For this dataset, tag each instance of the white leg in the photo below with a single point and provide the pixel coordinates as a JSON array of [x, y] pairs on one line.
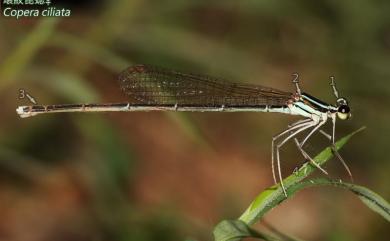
[[299, 122], [326, 135], [302, 128], [307, 157], [312, 132], [304, 153], [337, 154], [293, 126], [334, 150], [333, 128]]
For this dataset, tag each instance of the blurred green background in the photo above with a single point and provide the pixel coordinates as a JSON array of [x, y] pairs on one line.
[[174, 176]]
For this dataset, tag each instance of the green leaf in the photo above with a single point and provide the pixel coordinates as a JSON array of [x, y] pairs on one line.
[[371, 199], [234, 230], [273, 196]]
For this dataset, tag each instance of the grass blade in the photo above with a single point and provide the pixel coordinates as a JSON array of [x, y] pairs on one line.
[[375, 202]]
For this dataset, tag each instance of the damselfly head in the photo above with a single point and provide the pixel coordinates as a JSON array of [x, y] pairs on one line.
[[343, 110]]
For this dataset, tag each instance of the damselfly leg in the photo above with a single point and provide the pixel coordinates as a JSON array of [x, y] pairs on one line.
[[328, 136], [335, 151], [299, 122], [307, 157], [304, 153], [298, 129], [340, 101], [291, 128]]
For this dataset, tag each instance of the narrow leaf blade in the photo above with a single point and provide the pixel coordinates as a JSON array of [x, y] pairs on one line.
[[371, 199]]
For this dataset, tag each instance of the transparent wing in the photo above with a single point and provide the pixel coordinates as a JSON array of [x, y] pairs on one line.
[[153, 85]]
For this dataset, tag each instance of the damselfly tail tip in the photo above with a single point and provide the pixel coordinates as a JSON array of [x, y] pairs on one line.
[[21, 111]]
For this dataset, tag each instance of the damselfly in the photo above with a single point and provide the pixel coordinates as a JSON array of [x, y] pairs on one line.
[[157, 89]]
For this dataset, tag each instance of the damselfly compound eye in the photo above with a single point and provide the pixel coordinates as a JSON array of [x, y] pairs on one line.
[[343, 112]]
